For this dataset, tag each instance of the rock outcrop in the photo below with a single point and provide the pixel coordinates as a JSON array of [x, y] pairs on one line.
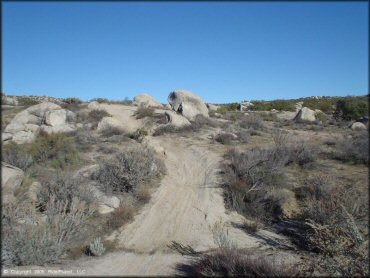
[[176, 120], [11, 179], [47, 116], [188, 104], [305, 115], [145, 100]]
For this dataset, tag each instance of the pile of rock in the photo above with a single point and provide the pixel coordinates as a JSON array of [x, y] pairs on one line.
[[48, 117]]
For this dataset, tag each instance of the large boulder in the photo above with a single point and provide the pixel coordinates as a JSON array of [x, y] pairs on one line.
[[11, 178], [176, 120], [46, 116], [146, 100], [358, 126], [305, 115], [188, 104]]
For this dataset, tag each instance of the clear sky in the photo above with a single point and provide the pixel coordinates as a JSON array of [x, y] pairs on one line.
[[222, 51]]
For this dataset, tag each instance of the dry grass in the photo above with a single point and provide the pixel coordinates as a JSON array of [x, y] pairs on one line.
[[143, 112], [233, 262]]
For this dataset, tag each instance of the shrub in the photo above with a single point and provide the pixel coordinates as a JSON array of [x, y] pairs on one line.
[[234, 262], [351, 108], [72, 100], [100, 100], [248, 178], [281, 105], [29, 239], [26, 101], [142, 112], [201, 121], [126, 170], [56, 148], [111, 131], [16, 155], [139, 134], [221, 235], [355, 150], [252, 121], [121, 215], [63, 187], [96, 115], [224, 138], [96, 248], [244, 135], [169, 128], [293, 151], [269, 117], [224, 108]]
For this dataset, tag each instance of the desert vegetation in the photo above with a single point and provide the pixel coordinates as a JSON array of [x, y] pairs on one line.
[[298, 188]]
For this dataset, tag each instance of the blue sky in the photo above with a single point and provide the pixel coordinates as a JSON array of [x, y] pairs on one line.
[[224, 52]]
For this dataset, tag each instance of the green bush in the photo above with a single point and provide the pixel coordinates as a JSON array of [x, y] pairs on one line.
[[57, 149], [72, 100], [26, 101], [351, 108], [229, 107], [281, 105], [100, 100]]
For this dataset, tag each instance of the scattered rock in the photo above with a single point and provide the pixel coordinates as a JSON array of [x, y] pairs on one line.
[[305, 114], [176, 120], [146, 100], [188, 104], [358, 126]]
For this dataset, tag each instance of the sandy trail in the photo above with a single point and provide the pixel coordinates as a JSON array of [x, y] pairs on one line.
[[183, 209]]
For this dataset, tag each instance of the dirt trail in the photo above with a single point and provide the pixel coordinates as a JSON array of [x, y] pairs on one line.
[[183, 209]]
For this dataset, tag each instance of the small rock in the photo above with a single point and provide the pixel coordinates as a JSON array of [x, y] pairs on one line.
[[358, 126]]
